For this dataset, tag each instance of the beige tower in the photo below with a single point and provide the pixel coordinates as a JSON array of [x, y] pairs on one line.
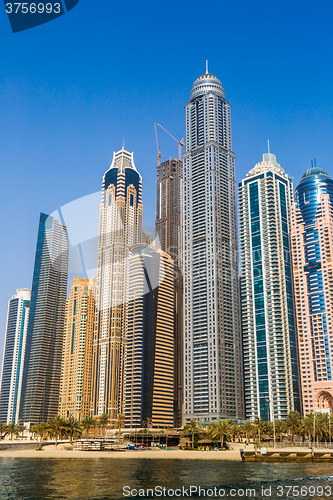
[[120, 228], [76, 373], [149, 358]]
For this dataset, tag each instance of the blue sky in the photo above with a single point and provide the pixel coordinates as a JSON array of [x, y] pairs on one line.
[[72, 89]]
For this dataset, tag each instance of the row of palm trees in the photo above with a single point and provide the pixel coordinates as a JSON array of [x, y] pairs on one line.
[[69, 428], [314, 427]]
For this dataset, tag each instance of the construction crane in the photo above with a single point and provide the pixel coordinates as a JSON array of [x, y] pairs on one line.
[[158, 148], [180, 143]]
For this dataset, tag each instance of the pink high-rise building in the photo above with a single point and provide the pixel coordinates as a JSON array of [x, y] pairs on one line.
[[312, 254]]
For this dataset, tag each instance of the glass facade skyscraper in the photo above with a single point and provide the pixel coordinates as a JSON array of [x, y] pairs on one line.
[[269, 337], [312, 251], [13, 358], [120, 228], [42, 364], [212, 341], [169, 231], [149, 352]]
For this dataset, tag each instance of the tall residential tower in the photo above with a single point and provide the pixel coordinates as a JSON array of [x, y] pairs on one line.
[[312, 251], [169, 232], [269, 336], [212, 341], [76, 372], [120, 227], [13, 356], [42, 365], [149, 358]]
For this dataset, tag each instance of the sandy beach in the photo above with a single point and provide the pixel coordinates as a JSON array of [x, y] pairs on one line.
[[51, 451]]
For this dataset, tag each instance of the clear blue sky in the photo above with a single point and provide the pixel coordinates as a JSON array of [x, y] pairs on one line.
[[71, 89]]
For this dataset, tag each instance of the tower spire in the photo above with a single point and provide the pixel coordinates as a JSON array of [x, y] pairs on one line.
[[206, 66], [268, 146]]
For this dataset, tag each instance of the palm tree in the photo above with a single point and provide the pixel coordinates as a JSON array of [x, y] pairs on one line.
[[306, 427], [322, 426], [279, 428], [73, 428], [22, 429], [56, 427], [3, 430], [247, 429], [292, 423], [41, 429], [261, 426], [87, 424], [12, 429], [119, 424], [148, 420], [103, 423], [222, 430], [191, 428]]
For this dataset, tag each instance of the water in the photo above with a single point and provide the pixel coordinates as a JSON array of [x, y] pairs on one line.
[[104, 479]]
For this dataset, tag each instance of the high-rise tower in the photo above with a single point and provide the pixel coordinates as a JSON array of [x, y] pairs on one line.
[[312, 252], [13, 357], [212, 341], [269, 336], [169, 232], [120, 228], [76, 372], [149, 358], [42, 364]]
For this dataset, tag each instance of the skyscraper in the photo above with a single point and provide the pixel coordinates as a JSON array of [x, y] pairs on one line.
[[212, 342], [76, 372], [13, 357], [312, 252], [120, 228], [149, 353], [268, 319], [169, 232], [42, 365]]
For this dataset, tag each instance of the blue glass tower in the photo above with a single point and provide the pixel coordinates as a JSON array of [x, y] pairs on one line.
[[268, 320], [42, 366], [312, 248]]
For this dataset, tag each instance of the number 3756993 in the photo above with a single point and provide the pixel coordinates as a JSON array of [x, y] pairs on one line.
[[33, 8]]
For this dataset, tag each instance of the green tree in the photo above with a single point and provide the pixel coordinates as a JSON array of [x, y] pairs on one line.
[[73, 428], [279, 428], [261, 427], [191, 428], [3, 430], [87, 424], [247, 430], [292, 424], [223, 430], [42, 430], [103, 422], [56, 428], [306, 427], [119, 424], [12, 429]]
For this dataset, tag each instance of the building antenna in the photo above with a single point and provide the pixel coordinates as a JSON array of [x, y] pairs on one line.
[[312, 163], [123, 142], [268, 146], [206, 66], [315, 163]]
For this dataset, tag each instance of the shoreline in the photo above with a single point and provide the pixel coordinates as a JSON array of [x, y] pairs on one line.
[[51, 451]]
